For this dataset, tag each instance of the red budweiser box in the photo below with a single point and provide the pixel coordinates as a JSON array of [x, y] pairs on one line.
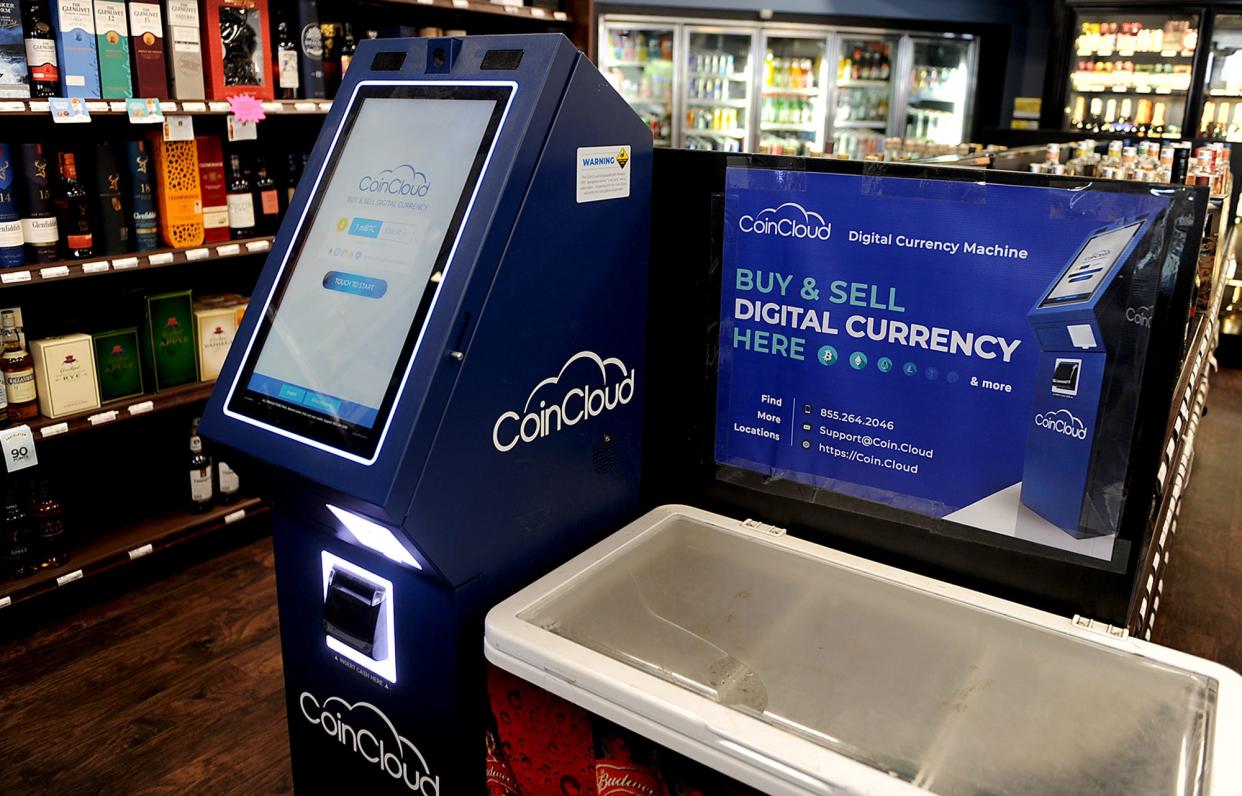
[[238, 57]]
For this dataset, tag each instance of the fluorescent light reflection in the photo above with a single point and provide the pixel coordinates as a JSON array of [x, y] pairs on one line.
[[374, 536]]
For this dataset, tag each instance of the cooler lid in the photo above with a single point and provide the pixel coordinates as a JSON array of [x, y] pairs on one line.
[[814, 662]]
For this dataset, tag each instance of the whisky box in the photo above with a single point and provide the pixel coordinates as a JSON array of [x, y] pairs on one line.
[[76, 53], [250, 71], [65, 374], [112, 43], [216, 327], [113, 217], [14, 76], [169, 339], [211, 184], [177, 190], [185, 51], [310, 48], [118, 361], [146, 44]]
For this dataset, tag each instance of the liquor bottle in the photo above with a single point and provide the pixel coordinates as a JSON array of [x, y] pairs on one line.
[[240, 199], [1078, 117], [18, 368], [114, 234], [15, 534], [141, 197], [49, 520], [40, 50], [1157, 120], [266, 198], [293, 172], [286, 62], [39, 229], [228, 485], [11, 252], [329, 33], [348, 48], [73, 209], [201, 489], [1209, 114]]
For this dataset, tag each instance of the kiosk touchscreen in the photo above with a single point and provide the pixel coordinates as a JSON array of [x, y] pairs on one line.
[[1088, 324], [444, 377]]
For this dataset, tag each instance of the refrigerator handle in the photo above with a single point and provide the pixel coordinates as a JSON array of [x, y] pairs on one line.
[[832, 62], [898, 113]]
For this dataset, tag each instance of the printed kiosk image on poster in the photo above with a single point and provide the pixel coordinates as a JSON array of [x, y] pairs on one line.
[[964, 351]]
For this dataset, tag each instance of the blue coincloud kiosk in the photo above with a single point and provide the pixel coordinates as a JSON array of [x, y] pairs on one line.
[[444, 375], [1092, 324]]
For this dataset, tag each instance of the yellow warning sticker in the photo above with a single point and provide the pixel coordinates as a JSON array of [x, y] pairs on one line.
[[602, 173]]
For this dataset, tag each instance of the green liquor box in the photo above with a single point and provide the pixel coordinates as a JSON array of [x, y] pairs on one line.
[[118, 361], [170, 340]]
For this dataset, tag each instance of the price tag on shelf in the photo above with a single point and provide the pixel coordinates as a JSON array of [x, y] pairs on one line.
[[12, 107], [9, 277], [240, 130], [54, 429], [5, 602], [272, 106], [427, 2], [178, 128], [305, 106], [228, 249], [218, 107], [234, 516], [40, 107], [68, 110], [159, 258], [197, 254], [194, 107], [102, 417], [538, 13], [96, 267], [54, 271], [69, 578], [97, 107], [512, 10], [144, 110], [19, 448], [258, 245], [121, 263], [118, 106], [139, 552], [461, 3], [560, 16], [141, 408]]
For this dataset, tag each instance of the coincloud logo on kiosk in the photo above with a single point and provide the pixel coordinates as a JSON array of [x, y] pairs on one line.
[[788, 220]]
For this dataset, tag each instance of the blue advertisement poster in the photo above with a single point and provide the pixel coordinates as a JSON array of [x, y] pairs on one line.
[[943, 347]]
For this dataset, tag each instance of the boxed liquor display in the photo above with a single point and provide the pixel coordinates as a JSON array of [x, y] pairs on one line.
[[14, 77], [214, 191], [65, 373], [177, 188], [112, 43], [114, 237], [310, 48], [74, 21], [238, 48], [216, 326], [185, 57], [146, 33], [118, 361], [169, 339]]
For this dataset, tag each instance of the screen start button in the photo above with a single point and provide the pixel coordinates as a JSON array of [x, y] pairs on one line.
[[368, 286]]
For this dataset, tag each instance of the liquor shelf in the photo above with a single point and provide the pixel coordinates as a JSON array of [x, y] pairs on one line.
[[134, 261], [95, 555], [113, 412], [117, 108], [520, 11]]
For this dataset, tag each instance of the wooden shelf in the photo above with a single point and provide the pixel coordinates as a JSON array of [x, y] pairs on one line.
[[92, 556], [48, 429], [137, 261], [116, 108], [476, 7]]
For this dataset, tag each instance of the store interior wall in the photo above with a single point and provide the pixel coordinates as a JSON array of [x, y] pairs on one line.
[[1028, 21]]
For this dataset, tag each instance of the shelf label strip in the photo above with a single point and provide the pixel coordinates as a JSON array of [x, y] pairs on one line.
[[233, 517], [9, 277], [139, 552], [102, 417], [141, 408], [69, 578], [53, 430]]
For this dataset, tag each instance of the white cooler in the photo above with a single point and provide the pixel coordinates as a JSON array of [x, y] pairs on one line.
[[801, 670]]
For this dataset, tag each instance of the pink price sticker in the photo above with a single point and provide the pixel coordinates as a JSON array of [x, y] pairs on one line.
[[246, 108]]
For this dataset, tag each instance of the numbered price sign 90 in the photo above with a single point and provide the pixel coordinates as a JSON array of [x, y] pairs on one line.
[[19, 448]]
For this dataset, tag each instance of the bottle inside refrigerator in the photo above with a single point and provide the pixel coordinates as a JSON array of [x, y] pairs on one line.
[[940, 76], [1131, 73], [1221, 117], [717, 89], [864, 94], [792, 102], [639, 64]]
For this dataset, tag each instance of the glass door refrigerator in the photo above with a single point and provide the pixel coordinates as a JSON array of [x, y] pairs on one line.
[[716, 87], [793, 93], [939, 82], [863, 96], [1131, 72], [638, 59], [1221, 117]]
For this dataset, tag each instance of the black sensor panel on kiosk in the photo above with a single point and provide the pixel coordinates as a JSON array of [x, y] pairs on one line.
[[824, 308]]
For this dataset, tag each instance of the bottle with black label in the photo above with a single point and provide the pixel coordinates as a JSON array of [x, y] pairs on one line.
[[114, 221], [293, 173], [240, 199], [49, 520], [17, 367], [330, 39], [141, 197], [286, 62], [40, 50], [201, 481], [228, 485], [348, 48], [11, 252], [266, 198], [15, 541], [39, 230], [74, 211]]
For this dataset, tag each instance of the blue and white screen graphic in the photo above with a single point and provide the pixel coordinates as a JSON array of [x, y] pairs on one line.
[[336, 338]]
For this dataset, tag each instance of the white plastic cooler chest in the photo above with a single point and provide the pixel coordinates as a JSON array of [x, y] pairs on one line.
[[801, 670]]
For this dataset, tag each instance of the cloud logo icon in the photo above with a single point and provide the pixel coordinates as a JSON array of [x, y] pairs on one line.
[[403, 180], [788, 220], [364, 730], [1062, 421]]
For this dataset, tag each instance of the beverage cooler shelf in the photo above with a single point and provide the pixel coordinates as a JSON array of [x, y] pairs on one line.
[[862, 84], [793, 128], [107, 551], [716, 133], [740, 77], [875, 124], [117, 108], [135, 261], [772, 91], [46, 429], [717, 103], [1153, 54]]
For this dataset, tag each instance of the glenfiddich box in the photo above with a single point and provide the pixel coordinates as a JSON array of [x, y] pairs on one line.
[[185, 51], [211, 184], [14, 78], [169, 339], [146, 43], [235, 33], [118, 361], [216, 326], [65, 373], [74, 21], [112, 43]]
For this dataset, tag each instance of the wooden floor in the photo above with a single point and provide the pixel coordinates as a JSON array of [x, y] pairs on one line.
[[175, 686]]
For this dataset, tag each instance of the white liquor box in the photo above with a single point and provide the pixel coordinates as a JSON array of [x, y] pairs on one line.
[[65, 374], [217, 326]]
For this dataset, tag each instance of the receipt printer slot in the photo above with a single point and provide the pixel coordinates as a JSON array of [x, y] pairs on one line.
[[351, 611]]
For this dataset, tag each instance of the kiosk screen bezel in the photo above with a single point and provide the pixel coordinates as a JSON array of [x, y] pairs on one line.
[[1060, 301], [360, 443]]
